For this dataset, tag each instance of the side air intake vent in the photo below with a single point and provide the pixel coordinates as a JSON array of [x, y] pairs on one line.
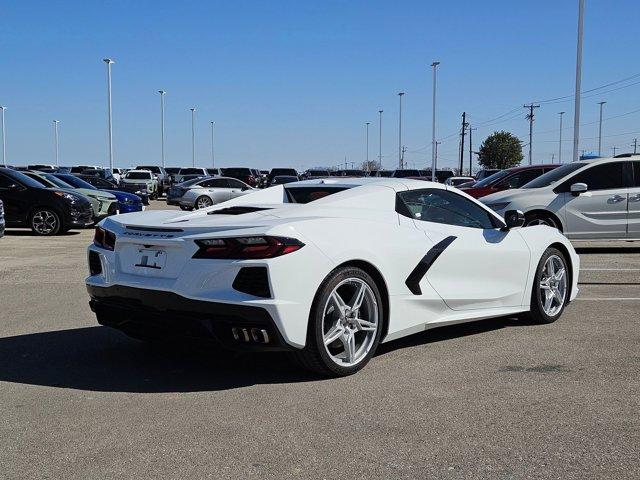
[[95, 266], [253, 280], [236, 210]]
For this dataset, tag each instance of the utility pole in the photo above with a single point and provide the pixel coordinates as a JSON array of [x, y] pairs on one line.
[[400, 95], [600, 130], [213, 152], [193, 137], [576, 114], [635, 146], [614, 148], [434, 65], [4, 137], [380, 140], [162, 93], [367, 129], [464, 127], [433, 175], [530, 116], [560, 141], [109, 62], [471, 151], [404, 149], [55, 133]]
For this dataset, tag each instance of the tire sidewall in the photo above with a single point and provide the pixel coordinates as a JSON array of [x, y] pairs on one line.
[[58, 228], [316, 334], [536, 297]]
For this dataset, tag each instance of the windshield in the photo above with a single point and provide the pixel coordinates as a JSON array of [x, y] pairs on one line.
[[554, 175], [191, 171], [138, 176], [56, 181], [235, 172], [310, 194], [151, 169], [75, 181], [485, 182]]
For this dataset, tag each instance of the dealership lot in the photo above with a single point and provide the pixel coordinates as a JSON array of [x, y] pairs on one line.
[[491, 399]]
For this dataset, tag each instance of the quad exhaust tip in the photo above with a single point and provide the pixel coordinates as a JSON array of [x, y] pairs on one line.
[[247, 335]]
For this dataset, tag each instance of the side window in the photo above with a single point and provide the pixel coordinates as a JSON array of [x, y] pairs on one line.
[[220, 183], [636, 174], [442, 206], [600, 177], [236, 183], [5, 182], [207, 184]]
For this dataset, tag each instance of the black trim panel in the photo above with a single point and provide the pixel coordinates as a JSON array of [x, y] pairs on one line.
[[155, 314], [413, 280]]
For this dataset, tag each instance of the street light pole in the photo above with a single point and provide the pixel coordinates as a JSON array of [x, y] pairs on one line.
[[193, 137], [367, 128], [400, 95], [162, 94], [380, 139], [433, 123], [600, 130], [213, 156], [560, 140], [55, 131], [4, 138], [576, 114], [109, 62]]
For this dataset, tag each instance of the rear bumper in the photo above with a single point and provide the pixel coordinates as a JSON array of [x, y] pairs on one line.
[[155, 314]]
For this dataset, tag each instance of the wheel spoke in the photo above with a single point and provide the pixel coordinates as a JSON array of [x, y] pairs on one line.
[[358, 297], [365, 325], [338, 301], [349, 343], [548, 300], [333, 334], [557, 295], [559, 274]]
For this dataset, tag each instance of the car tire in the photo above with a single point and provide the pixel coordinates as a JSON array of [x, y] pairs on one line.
[[186, 209], [540, 219], [540, 310], [45, 222], [202, 202], [321, 354]]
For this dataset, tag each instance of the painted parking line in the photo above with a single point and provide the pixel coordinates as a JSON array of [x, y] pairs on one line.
[[610, 269], [620, 299]]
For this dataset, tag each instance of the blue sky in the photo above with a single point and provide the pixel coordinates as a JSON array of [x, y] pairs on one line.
[[291, 83]]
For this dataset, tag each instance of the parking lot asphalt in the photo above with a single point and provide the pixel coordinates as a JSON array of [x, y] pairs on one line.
[[492, 399]]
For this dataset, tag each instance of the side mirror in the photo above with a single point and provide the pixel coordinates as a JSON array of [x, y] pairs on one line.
[[513, 218], [578, 188]]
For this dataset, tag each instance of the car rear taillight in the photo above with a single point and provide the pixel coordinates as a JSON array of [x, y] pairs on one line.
[[104, 239], [246, 247]]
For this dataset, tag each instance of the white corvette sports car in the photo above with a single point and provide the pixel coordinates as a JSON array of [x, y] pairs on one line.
[[325, 268]]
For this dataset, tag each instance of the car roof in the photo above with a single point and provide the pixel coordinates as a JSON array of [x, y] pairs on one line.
[[397, 184]]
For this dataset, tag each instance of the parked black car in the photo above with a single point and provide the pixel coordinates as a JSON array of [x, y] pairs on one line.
[[1, 219], [47, 211], [280, 172], [245, 175]]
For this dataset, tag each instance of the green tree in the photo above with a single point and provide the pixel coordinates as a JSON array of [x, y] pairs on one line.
[[500, 150]]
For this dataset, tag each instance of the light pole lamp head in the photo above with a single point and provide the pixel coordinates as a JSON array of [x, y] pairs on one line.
[[193, 109], [601, 103], [380, 111], [561, 113], [400, 94], [161, 92], [435, 64], [108, 61], [56, 122]]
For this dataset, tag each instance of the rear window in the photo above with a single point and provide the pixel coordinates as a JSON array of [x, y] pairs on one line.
[[318, 173], [151, 169], [138, 176], [406, 173], [191, 171], [236, 172], [310, 194], [283, 171]]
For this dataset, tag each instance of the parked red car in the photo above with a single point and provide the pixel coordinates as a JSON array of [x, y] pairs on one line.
[[514, 177]]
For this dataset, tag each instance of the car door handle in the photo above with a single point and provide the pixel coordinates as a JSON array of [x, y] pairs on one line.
[[635, 198], [615, 199]]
